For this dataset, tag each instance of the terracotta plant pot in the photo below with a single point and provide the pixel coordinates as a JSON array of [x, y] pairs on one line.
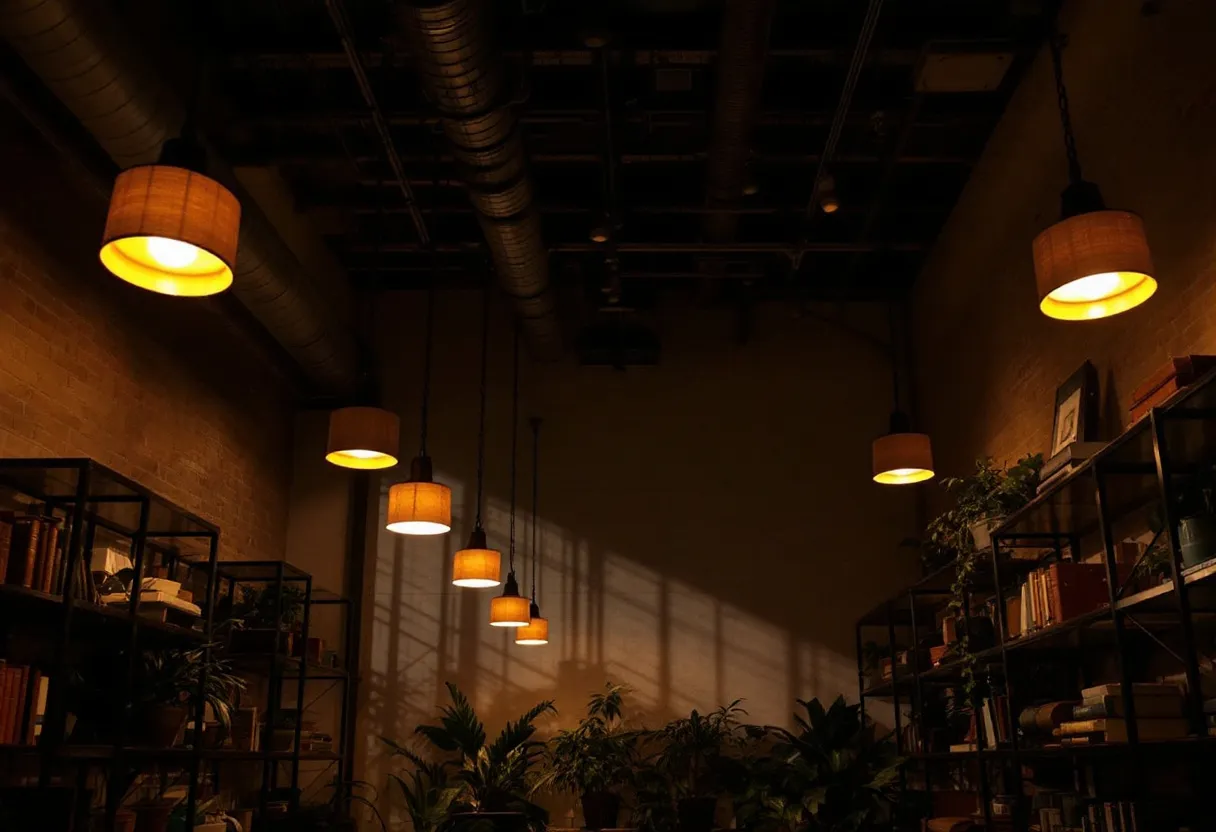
[[158, 725], [696, 814], [601, 810]]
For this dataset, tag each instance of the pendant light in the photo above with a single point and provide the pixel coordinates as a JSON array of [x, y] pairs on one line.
[[477, 566], [170, 228], [363, 438], [421, 506], [537, 631], [902, 457], [1094, 262], [510, 609]]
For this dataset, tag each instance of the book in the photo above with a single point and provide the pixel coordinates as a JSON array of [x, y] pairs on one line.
[[50, 532], [23, 551], [9, 697], [1139, 689], [960, 747], [1112, 706], [1072, 455], [6, 539], [17, 732], [39, 687], [1115, 730]]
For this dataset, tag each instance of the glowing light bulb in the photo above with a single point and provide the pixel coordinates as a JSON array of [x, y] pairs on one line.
[[362, 454], [172, 254], [1094, 287]]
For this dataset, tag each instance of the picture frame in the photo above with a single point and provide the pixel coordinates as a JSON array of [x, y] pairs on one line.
[[1075, 418]]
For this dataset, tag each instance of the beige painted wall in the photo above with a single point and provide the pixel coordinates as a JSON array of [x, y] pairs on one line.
[[708, 527], [1143, 93]]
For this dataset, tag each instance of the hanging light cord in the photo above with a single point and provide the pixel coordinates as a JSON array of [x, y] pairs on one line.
[[514, 439], [535, 492], [1056, 40], [481, 425], [426, 362]]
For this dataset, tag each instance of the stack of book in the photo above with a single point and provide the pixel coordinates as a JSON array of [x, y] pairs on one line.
[[1100, 716], [23, 692], [1065, 461], [1054, 594], [1121, 816], [30, 551]]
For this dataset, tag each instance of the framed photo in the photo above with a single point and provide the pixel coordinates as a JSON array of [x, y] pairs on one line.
[[1076, 414]]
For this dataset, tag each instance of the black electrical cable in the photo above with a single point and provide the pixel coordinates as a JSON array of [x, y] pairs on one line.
[[481, 424], [535, 492], [514, 440]]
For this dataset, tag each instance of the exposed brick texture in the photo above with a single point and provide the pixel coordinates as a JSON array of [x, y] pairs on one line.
[[1143, 91], [161, 389]]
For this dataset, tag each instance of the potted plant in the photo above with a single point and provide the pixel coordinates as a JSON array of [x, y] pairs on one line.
[[428, 791], [1196, 510], [691, 759], [166, 689], [491, 778], [594, 760], [829, 775], [982, 501], [265, 620]]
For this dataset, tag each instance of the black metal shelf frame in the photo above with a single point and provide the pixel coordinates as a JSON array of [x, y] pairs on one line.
[[1138, 469]]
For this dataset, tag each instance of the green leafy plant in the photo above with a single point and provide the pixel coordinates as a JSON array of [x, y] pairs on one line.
[[693, 749], [260, 608], [990, 493], [488, 777], [596, 756], [171, 677], [832, 775], [427, 789]]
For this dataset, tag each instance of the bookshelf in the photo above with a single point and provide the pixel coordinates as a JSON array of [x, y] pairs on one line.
[[1135, 633], [73, 627]]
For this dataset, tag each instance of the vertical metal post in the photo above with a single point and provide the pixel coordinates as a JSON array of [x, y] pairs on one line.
[[861, 673], [918, 701], [899, 734], [56, 715], [1112, 588], [200, 705], [300, 681], [360, 507], [1190, 658]]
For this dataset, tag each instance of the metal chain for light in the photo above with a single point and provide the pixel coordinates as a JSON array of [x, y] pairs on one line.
[[535, 492], [481, 424], [514, 439], [1056, 42]]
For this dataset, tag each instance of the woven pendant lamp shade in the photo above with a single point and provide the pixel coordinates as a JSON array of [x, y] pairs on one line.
[[537, 631], [510, 609], [1093, 265], [171, 230], [477, 566], [902, 458], [363, 437], [420, 506]]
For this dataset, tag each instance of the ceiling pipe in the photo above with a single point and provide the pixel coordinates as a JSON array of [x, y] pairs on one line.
[[82, 53], [741, 59], [463, 77]]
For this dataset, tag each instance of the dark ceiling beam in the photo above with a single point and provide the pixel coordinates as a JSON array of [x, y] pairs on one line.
[[691, 247], [561, 57], [269, 157]]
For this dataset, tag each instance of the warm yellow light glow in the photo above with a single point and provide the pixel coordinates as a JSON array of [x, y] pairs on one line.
[[509, 611], [363, 438], [419, 508], [903, 476], [829, 204], [1098, 296], [172, 231], [1093, 265], [533, 635], [172, 254], [477, 568], [902, 458]]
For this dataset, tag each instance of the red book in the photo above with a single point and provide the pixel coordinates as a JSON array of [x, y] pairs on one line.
[[1077, 588], [8, 695], [50, 538]]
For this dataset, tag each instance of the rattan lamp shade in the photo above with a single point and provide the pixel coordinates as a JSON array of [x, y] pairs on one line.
[[1093, 265], [420, 508], [536, 632], [902, 458], [509, 611], [363, 437], [172, 231]]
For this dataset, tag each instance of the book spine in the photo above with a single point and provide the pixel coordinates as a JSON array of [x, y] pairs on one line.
[[50, 531], [18, 730], [9, 686], [31, 709], [1092, 712], [6, 542], [31, 553]]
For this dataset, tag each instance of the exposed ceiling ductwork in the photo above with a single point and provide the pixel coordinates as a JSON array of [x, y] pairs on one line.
[[81, 52], [741, 59], [463, 77]]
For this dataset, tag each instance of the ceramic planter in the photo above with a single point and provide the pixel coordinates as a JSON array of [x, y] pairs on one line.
[[601, 810], [981, 532], [1197, 539]]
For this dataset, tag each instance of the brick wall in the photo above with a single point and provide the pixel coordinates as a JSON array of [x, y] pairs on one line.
[[164, 390], [1143, 92]]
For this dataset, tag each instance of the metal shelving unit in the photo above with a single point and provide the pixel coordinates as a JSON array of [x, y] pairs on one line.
[[1143, 468]]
